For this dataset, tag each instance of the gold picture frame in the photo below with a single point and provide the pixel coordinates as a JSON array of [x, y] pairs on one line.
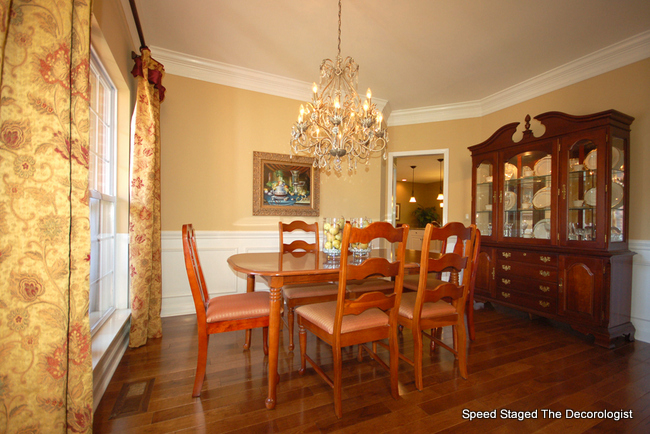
[[284, 185]]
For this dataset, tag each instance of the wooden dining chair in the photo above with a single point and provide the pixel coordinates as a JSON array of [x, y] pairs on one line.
[[411, 282], [371, 317], [219, 314], [437, 303], [308, 293]]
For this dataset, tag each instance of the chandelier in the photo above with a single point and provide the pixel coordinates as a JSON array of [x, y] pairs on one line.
[[335, 124]]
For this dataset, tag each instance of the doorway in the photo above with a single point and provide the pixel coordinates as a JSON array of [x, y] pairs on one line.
[[404, 160]]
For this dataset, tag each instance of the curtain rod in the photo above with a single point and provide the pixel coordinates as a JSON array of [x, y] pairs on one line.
[[136, 18]]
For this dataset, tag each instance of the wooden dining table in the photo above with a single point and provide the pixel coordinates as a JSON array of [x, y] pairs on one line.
[[280, 269]]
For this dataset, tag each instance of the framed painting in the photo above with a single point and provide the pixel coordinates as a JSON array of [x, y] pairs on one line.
[[284, 185], [398, 211]]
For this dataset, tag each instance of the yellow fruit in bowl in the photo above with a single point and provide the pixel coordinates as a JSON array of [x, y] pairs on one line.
[[327, 226], [328, 245], [336, 244], [334, 230], [362, 245]]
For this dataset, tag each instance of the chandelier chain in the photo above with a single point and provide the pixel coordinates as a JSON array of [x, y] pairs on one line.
[[339, 55]]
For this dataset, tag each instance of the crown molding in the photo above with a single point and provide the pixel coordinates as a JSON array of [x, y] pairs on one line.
[[615, 56], [225, 74]]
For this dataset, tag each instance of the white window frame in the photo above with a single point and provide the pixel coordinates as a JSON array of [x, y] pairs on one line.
[[105, 309]]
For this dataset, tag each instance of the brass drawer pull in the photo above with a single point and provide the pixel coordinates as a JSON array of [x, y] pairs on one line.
[[544, 273], [506, 254], [505, 267], [545, 259], [544, 303], [544, 288], [505, 294], [505, 281]]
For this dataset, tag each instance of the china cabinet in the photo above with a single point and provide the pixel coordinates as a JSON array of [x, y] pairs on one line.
[[553, 212]]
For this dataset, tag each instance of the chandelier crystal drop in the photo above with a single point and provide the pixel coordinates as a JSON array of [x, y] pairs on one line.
[[335, 124]]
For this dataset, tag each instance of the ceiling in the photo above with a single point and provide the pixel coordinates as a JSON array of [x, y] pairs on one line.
[[413, 54]]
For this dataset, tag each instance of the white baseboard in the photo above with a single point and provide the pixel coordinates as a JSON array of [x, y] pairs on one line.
[[216, 246]]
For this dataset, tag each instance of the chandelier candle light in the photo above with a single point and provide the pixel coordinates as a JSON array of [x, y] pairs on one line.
[[335, 124]]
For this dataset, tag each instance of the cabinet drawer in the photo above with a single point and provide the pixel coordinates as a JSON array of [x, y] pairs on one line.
[[530, 286], [541, 304], [549, 259], [509, 268]]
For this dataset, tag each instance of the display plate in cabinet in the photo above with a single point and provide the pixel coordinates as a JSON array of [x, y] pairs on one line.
[[617, 194], [548, 259], [526, 285], [542, 198], [540, 304], [508, 268], [591, 160], [509, 200], [543, 166]]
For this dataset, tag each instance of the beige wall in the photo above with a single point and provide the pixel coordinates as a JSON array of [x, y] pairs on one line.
[[209, 133]]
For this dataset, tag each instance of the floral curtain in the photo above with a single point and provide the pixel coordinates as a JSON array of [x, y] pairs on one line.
[[144, 213], [45, 348]]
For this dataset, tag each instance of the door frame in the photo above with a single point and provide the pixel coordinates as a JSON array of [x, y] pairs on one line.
[[391, 181]]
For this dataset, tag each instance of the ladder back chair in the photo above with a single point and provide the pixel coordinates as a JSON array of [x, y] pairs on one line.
[[219, 314], [411, 282], [369, 318], [299, 295], [437, 303]]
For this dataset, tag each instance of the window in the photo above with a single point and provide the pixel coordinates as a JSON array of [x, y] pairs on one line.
[[102, 186]]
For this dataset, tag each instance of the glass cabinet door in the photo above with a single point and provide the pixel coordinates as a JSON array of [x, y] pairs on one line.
[[580, 191], [484, 197], [526, 196], [617, 206]]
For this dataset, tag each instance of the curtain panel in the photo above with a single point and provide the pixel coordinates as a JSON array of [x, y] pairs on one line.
[[45, 344], [144, 212]]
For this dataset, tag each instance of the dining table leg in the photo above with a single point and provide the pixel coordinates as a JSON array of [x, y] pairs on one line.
[[274, 339]]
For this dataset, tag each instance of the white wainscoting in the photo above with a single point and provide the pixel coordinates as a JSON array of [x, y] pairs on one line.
[[216, 246], [641, 289]]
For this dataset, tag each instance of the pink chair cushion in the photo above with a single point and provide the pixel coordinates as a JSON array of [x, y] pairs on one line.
[[429, 310], [411, 281], [301, 291], [322, 315], [370, 285], [238, 306]]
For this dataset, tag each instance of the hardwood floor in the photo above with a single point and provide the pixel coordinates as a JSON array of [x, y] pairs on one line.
[[515, 364]]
